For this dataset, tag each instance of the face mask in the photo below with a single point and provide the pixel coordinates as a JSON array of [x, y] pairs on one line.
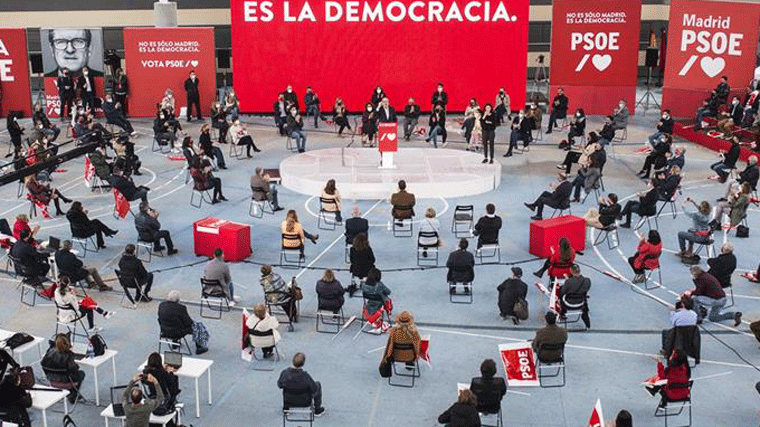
[[440, 89], [522, 115], [472, 104], [501, 92], [378, 90], [665, 116], [621, 105], [736, 101], [369, 109], [577, 114], [290, 90], [86, 73]]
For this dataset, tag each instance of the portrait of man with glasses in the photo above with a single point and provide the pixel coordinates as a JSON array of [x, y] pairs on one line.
[[72, 49]]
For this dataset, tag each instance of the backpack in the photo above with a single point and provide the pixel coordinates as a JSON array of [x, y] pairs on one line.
[[98, 345], [521, 309]]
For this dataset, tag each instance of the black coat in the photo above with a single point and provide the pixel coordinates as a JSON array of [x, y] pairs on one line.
[[82, 82], [561, 194], [510, 291], [14, 402], [191, 88], [355, 226], [62, 362], [386, 117], [330, 295], [461, 265], [437, 119], [722, 267], [81, 226], [174, 320], [441, 99], [609, 213], [666, 126], [559, 105], [730, 158], [488, 121], [27, 254], [65, 85], [489, 392], [361, 262], [750, 174], [70, 265], [412, 111], [130, 266], [460, 415], [125, 186], [648, 206], [297, 387], [487, 229]]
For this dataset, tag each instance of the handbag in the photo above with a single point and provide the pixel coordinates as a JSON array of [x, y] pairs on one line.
[[386, 368], [26, 377], [742, 231], [295, 290], [520, 309], [18, 339]]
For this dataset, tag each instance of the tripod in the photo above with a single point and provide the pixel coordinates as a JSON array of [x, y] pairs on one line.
[[539, 78], [648, 95]]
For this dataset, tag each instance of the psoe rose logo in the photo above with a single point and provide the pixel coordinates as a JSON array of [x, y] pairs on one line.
[[711, 41]]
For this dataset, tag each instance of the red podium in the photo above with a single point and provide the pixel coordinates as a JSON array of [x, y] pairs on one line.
[[546, 233], [387, 136], [233, 237]]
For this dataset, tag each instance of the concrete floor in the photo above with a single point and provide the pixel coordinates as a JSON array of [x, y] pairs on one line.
[[608, 362]]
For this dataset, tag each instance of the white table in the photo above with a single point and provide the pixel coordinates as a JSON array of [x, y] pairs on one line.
[[163, 420], [94, 363], [193, 368], [20, 350], [43, 399]]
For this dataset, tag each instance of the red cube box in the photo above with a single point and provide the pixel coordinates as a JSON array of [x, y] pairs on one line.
[[233, 237], [547, 233]]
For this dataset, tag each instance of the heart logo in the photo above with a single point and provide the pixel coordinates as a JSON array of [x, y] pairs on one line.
[[194, 63], [601, 62], [712, 67]]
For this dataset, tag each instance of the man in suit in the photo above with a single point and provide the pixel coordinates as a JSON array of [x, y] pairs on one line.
[[86, 86], [311, 100], [386, 113], [263, 190], [511, 291], [115, 115], [664, 126], [621, 115], [751, 173], [65, 92], [461, 265], [558, 198], [559, 109], [70, 265], [573, 294], [488, 226], [411, 115], [149, 229], [355, 225], [33, 261], [280, 108], [291, 99], [193, 96], [127, 187], [549, 334], [403, 202], [131, 267]]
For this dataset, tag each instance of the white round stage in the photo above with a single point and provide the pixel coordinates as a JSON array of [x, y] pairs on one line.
[[429, 172]]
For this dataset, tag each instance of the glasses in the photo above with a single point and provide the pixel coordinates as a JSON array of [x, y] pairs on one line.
[[62, 44]]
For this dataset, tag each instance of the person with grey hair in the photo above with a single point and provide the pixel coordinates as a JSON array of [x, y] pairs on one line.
[[262, 189], [723, 266], [708, 293], [175, 322], [70, 265], [355, 225]]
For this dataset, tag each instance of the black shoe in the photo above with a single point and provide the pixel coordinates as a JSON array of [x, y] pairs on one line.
[[215, 201], [485, 161], [172, 251], [223, 167], [508, 155], [548, 131], [538, 274], [158, 248], [737, 318], [466, 290], [200, 350], [530, 206], [256, 150], [536, 217], [626, 225], [490, 161], [222, 198], [137, 173], [319, 411], [277, 209]]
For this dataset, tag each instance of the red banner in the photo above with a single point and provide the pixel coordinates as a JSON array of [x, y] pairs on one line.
[[161, 58], [15, 93], [121, 204], [595, 50], [708, 40], [346, 49], [387, 135], [519, 364]]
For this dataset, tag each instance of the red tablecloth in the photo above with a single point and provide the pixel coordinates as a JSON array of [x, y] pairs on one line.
[[546, 233], [233, 237]]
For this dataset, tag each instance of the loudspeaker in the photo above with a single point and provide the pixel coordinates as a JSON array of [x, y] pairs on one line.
[[653, 55], [223, 58], [36, 60]]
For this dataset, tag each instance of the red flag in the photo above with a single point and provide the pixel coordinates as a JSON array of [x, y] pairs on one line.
[[89, 170], [245, 352], [424, 347], [122, 204], [597, 419]]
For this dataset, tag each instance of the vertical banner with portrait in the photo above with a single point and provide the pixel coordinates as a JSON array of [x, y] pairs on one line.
[[703, 46], [595, 51], [162, 58], [70, 50], [15, 93]]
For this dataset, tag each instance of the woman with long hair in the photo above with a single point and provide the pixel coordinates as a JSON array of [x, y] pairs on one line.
[[62, 365], [42, 194], [204, 179], [340, 115], [240, 136], [647, 256], [329, 292], [463, 413], [377, 301], [361, 256], [559, 262], [69, 304], [330, 192], [219, 121], [676, 373], [369, 125], [208, 148]]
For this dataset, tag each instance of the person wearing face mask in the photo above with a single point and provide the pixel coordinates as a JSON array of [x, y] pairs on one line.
[[295, 128], [340, 115], [751, 105], [709, 109], [436, 126], [502, 106], [469, 118], [664, 126], [193, 96], [440, 97], [488, 123], [520, 132], [115, 115], [40, 119], [311, 100], [16, 131], [607, 133], [731, 118], [657, 158], [620, 116], [65, 92], [386, 113], [369, 125], [411, 115], [577, 128], [291, 99], [377, 96], [240, 136], [121, 89], [86, 86], [559, 109], [280, 113]]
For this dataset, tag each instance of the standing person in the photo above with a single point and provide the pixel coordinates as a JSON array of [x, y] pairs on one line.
[[281, 114], [411, 115], [16, 131], [511, 291], [369, 125], [437, 126], [299, 390], [463, 413], [193, 96], [121, 89], [218, 270], [137, 407], [291, 98], [440, 98], [340, 116], [461, 265], [503, 106], [65, 92], [707, 293], [488, 123], [86, 87], [295, 129], [469, 118], [559, 109]]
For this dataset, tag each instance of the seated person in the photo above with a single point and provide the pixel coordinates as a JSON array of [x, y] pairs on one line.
[[61, 368], [204, 179], [606, 215], [577, 128], [664, 127], [149, 229], [461, 265], [175, 323], [621, 115], [684, 314], [164, 131], [217, 270], [588, 178], [263, 190], [667, 182], [751, 173], [22, 223], [41, 193], [708, 293], [462, 413], [127, 187], [607, 133], [487, 228], [511, 291], [240, 136], [658, 156], [33, 262], [126, 159], [115, 114], [137, 407], [130, 267], [329, 293], [709, 108], [340, 116], [723, 266], [645, 206], [559, 261], [403, 203], [98, 161], [219, 121], [280, 113], [677, 373], [429, 225], [647, 256], [295, 130], [369, 125], [677, 158], [558, 198], [299, 390], [164, 375], [550, 334], [728, 162], [330, 192], [277, 292], [573, 294], [14, 400], [731, 119], [208, 148], [575, 155], [84, 227], [70, 265], [362, 260], [700, 232], [262, 324], [71, 308], [291, 228], [735, 207], [521, 131], [355, 225], [376, 296], [42, 122], [488, 388], [404, 340]]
